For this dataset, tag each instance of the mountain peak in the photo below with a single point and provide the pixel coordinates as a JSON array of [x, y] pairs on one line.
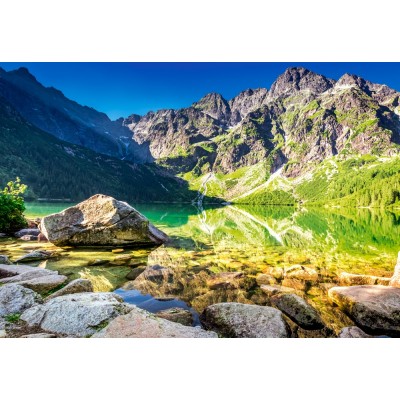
[[214, 105], [23, 72], [295, 79]]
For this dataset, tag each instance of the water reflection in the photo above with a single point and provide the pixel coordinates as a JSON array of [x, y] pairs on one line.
[[217, 254]]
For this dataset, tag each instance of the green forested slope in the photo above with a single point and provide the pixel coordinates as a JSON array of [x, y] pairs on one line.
[[55, 169]]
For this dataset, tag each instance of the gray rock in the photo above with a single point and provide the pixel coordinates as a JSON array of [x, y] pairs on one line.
[[44, 284], [141, 324], [75, 286], [34, 256], [78, 315], [353, 332], [298, 310], [395, 281], [29, 231], [2, 323], [245, 320], [101, 221], [28, 275], [178, 315], [3, 334], [3, 235], [15, 299], [5, 260], [13, 270], [375, 309]]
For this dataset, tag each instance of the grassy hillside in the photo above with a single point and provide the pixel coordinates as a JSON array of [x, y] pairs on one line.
[[364, 181]]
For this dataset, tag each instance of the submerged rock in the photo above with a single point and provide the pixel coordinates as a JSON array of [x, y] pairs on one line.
[[301, 273], [35, 256], [134, 273], [271, 290], [375, 309], [75, 286], [80, 314], [353, 332], [15, 299], [101, 221], [245, 320], [141, 324], [178, 315], [354, 279], [298, 310]]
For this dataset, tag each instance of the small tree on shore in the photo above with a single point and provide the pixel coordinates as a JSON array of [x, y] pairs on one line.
[[12, 207]]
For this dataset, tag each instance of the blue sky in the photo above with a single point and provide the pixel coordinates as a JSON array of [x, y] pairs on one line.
[[120, 89]]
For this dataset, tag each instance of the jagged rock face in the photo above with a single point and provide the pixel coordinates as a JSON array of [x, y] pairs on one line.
[[245, 102], [101, 221], [304, 119], [49, 110], [297, 79]]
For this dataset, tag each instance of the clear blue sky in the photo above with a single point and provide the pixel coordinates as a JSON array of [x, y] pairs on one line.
[[120, 89]]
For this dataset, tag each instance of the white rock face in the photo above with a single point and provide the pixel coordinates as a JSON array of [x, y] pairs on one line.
[[15, 299], [101, 221], [76, 315], [141, 324]]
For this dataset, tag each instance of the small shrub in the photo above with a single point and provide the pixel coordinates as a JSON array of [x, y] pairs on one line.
[[12, 207]]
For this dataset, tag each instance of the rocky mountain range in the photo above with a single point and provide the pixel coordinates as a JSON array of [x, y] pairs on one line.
[[304, 122]]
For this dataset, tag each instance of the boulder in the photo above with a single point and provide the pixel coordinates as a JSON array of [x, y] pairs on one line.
[[29, 231], [15, 299], [395, 281], [141, 324], [101, 221], [5, 260], [298, 310], [28, 274], [35, 255], [373, 308], [7, 271], [176, 314], [351, 332], [75, 286], [245, 320], [78, 315], [347, 279], [3, 334], [44, 284]]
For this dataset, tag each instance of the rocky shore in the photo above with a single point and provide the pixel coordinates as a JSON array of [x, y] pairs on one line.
[[43, 303]]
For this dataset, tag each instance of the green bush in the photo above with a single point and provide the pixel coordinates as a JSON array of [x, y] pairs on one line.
[[12, 207]]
